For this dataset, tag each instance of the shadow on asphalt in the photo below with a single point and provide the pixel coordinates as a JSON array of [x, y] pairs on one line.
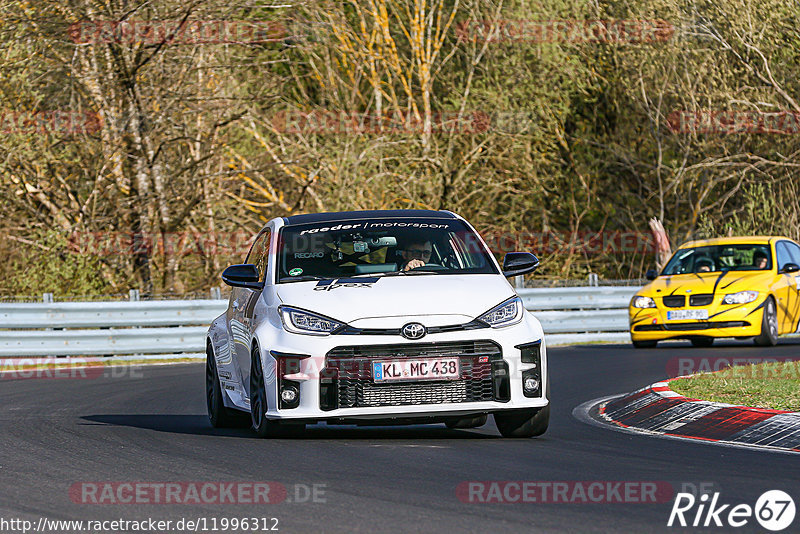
[[198, 425], [176, 424]]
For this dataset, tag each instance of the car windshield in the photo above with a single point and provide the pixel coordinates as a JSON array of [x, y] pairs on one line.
[[380, 247], [719, 258]]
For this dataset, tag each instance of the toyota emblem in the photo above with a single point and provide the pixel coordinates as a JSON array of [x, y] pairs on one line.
[[413, 331]]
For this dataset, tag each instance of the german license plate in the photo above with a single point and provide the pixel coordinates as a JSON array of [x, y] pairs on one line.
[[427, 369], [682, 315]]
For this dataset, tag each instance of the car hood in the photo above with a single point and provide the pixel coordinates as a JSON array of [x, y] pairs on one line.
[[724, 282], [350, 299]]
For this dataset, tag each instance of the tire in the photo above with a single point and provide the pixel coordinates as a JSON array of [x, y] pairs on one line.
[[769, 325], [702, 341], [218, 415], [264, 427], [644, 344], [468, 422], [525, 423]]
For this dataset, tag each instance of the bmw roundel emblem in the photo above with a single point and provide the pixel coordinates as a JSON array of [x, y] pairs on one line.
[[413, 331]]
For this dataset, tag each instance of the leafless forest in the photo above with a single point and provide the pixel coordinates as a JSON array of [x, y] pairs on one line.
[[143, 142]]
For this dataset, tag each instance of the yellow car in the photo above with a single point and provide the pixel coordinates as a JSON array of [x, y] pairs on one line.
[[742, 287]]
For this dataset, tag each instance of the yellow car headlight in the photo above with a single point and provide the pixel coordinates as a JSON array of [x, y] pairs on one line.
[[643, 302], [742, 297]]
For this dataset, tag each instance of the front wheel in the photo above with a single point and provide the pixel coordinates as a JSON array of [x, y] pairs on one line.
[[525, 423], [769, 325], [262, 425], [218, 415]]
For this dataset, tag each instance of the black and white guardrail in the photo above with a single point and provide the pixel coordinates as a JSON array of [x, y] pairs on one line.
[[656, 409]]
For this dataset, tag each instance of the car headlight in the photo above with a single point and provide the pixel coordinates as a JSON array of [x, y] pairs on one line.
[[304, 322], [643, 302], [505, 314], [742, 297]]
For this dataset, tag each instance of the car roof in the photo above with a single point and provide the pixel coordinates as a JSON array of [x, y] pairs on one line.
[[365, 214], [739, 240]]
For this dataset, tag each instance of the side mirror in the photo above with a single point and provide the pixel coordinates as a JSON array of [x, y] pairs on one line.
[[245, 275], [517, 263], [651, 274], [790, 268]]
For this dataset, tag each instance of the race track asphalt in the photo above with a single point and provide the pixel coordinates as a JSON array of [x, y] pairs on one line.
[[148, 424]]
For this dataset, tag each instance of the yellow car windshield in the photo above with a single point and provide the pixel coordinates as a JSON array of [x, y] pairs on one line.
[[719, 258]]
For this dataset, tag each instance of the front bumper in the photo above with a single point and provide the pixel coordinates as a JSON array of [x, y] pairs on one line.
[[359, 399], [651, 324]]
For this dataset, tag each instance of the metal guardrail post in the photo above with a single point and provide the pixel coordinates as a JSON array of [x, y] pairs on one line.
[[594, 280], [216, 293], [134, 297], [519, 282], [47, 298]]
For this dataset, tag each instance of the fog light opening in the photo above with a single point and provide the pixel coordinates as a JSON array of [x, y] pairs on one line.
[[531, 385], [288, 390], [289, 394]]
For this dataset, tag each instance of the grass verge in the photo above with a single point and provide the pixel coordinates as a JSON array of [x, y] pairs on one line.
[[773, 385]]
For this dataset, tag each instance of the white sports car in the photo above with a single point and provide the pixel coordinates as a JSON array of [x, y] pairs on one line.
[[376, 317]]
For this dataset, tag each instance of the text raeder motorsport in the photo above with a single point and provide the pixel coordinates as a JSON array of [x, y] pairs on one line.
[[367, 225]]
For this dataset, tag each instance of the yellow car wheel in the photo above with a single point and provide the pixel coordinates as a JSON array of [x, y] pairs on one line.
[[769, 325]]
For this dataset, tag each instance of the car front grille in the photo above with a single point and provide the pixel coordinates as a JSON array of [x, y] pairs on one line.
[[347, 379], [674, 301], [701, 299], [400, 394]]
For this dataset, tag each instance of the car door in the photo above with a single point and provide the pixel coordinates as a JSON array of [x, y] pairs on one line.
[[793, 304], [243, 301], [786, 288]]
